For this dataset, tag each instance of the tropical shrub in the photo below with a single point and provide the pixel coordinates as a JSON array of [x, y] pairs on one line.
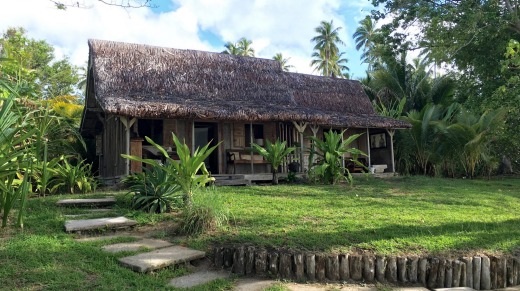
[[207, 212], [70, 178], [330, 152], [274, 153], [154, 190], [189, 172]]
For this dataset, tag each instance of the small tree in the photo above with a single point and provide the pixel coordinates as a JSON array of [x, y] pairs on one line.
[[330, 152], [274, 153], [189, 172]]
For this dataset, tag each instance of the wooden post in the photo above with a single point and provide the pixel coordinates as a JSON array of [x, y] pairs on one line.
[[251, 146], [314, 129], [391, 133], [368, 149], [128, 124], [300, 127]]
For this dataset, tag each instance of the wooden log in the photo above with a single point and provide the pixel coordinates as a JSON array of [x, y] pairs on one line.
[[441, 274], [261, 262], [344, 268], [332, 268], [239, 261], [510, 272], [368, 268], [391, 270], [285, 266], [463, 273], [380, 268], [272, 268], [448, 277], [457, 270], [516, 272], [401, 269], [413, 263], [485, 275], [321, 262], [493, 272], [218, 257], [228, 256], [477, 271], [422, 271], [434, 269], [299, 267], [250, 260], [310, 266], [356, 268], [501, 273], [469, 271]]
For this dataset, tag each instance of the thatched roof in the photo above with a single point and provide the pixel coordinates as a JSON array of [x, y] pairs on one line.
[[153, 82]]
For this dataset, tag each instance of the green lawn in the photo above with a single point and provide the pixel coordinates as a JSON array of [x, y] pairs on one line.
[[402, 215]]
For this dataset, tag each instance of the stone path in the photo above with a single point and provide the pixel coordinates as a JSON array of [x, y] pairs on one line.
[[161, 258], [87, 202], [98, 224], [198, 278], [145, 243]]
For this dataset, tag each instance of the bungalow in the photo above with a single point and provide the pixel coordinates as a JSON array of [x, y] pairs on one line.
[[136, 90]]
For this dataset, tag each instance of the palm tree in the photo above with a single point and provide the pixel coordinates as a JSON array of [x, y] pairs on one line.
[[364, 38], [245, 46], [241, 48], [326, 49], [283, 62], [274, 154], [335, 66]]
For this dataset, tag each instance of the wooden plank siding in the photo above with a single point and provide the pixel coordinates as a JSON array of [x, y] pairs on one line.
[[114, 144]]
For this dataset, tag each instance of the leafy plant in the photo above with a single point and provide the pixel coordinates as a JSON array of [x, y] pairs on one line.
[[331, 150], [206, 213], [154, 190], [274, 153], [189, 172], [69, 178]]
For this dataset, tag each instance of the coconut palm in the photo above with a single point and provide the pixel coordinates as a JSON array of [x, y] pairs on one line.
[[335, 66], [241, 48], [274, 153], [326, 49], [364, 38], [283, 62]]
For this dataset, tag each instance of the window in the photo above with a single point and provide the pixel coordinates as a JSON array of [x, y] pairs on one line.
[[258, 134]]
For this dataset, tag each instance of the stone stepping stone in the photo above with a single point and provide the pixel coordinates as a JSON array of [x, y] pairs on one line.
[[197, 278], [146, 243], [253, 284], [161, 258], [98, 224], [107, 237], [88, 202]]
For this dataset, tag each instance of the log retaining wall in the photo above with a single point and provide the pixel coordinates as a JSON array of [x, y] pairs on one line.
[[478, 272]]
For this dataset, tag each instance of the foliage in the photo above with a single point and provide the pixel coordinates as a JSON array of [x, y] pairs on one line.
[[70, 178], [154, 191], [33, 68], [274, 154], [189, 172], [331, 151], [284, 63], [207, 213], [14, 158], [241, 48], [327, 58]]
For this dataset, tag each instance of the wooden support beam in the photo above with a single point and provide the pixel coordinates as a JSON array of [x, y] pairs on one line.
[[300, 127], [128, 124], [391, 133], [368, 148]]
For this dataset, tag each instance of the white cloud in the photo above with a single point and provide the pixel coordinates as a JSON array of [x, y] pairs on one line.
[[273, 25]]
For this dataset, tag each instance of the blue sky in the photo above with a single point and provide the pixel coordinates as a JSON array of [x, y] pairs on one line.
[[274, 26]]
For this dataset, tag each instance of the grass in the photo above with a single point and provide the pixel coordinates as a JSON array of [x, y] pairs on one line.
[[408, 215], [400, 216]]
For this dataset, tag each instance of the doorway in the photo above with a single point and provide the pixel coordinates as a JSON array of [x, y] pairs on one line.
[[204, 132]]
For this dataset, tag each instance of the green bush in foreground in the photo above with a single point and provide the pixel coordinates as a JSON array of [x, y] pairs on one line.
[[205, 214]]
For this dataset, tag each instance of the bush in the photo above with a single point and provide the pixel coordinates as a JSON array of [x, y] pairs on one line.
[[154, 190], [70, 178], [207, 212]]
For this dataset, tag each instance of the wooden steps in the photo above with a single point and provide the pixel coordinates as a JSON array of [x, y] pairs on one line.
[[161, 258]]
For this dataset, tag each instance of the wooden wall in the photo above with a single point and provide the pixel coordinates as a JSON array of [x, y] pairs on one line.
[[114, 144]]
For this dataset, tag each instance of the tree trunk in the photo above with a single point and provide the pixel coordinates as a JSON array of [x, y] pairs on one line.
[[275, 177]]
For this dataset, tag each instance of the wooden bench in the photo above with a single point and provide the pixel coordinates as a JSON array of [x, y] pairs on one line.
[[244, 157]]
